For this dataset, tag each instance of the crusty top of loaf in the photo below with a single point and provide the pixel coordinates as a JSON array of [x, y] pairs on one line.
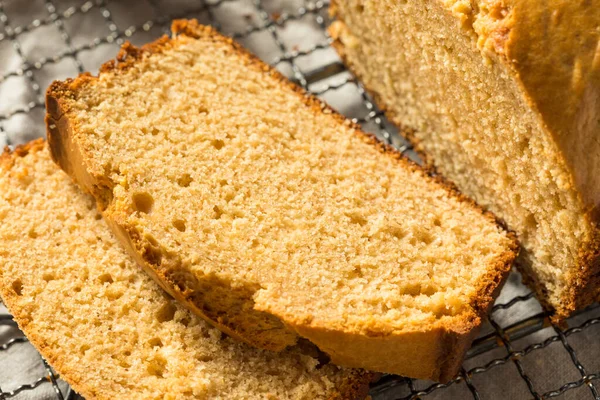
[[109, 329], [554, 49]]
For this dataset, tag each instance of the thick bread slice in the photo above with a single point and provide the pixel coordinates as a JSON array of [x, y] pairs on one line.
[[107, 328], [268, 214], [503, 97]]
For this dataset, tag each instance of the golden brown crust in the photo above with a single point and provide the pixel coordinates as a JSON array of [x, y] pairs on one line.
[[585, 285], [8, 156], [447, 352], [554, 48]]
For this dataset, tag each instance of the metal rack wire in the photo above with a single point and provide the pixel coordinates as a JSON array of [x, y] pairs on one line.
[[518, 342]]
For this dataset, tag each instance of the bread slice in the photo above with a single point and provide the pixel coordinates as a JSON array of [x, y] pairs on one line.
[[503, 98], [107, 328], [271, 216]]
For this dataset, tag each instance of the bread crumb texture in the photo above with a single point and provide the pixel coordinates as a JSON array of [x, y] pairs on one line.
[[219, 171], [501, 96], [108, 328]]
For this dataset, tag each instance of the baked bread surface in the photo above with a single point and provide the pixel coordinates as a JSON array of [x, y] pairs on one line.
[[270, 215], [501, 97], [110, 330]]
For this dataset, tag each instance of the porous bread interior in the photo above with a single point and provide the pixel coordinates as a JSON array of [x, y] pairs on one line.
[[472, 118], [105, 325], [238, 176]]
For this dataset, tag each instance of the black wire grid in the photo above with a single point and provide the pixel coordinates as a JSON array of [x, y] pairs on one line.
[[519, 353]]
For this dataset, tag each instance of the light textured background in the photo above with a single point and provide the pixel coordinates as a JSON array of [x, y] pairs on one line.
[[44, 40]]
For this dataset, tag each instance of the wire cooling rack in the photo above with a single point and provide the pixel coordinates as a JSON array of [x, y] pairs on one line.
[[519, 353]]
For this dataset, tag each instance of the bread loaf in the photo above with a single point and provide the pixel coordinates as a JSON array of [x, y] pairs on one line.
[[270, 215], [105, 326], [502, 97]]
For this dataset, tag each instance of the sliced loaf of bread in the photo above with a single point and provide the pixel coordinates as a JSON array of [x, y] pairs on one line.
[[270, 215], [503, 98], [105, 326]]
